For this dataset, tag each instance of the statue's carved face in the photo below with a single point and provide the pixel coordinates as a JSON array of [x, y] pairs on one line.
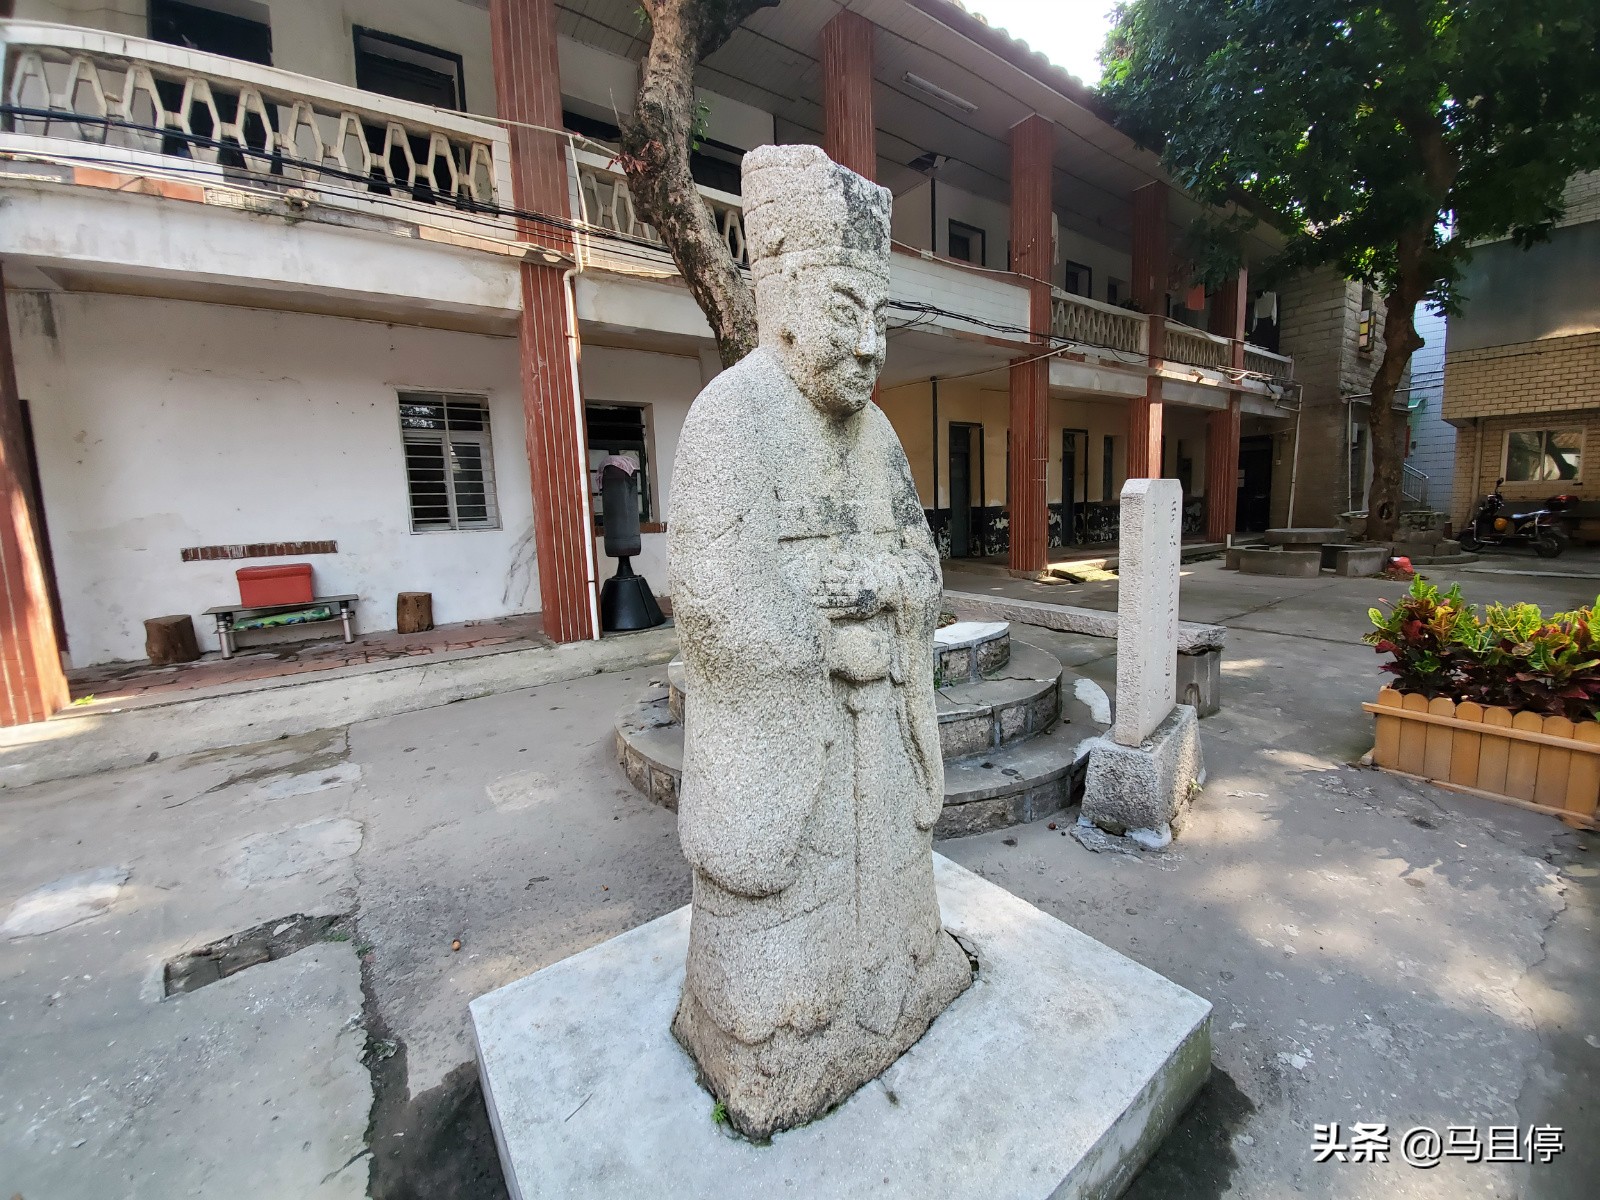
[[834, 335]]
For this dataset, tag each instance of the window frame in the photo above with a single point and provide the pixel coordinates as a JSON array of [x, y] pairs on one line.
[[158, 11], [1083, 269], [357, 51], [972, 233], [1544, 431], [483, 438]]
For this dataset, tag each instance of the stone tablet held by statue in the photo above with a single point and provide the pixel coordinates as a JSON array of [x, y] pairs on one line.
[[806, 587]]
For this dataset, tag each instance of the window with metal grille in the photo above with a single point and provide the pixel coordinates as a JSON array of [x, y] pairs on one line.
[[449, 461]]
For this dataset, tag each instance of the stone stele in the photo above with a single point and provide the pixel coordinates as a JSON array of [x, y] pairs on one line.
[[1147, 607], [806, 589]]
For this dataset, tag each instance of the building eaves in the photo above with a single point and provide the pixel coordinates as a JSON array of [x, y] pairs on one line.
[[976, 27]]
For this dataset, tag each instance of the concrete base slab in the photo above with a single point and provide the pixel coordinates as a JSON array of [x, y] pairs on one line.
[[1146, 787], [1056, 1074]]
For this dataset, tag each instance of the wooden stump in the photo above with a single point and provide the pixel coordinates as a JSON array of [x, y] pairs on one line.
[[169, 640], [413, 612]]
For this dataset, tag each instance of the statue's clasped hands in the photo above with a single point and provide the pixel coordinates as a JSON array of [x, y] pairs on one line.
[[849, 587]]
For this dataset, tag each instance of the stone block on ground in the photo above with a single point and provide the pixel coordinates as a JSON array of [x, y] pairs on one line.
[[1230, 557], [1298, 564], [1304, 536], [1069, 618], [1200, 681], [1072, 1060], [1146, 787], [1360, 560]]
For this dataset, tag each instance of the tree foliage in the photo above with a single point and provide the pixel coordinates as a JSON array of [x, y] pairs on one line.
[[1384, 137]]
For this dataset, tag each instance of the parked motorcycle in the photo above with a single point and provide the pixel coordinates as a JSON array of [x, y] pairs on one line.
[[1493, 524]]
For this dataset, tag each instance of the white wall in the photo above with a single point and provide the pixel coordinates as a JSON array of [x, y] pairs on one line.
[[601, 85], [1105, 262], [911, 220], [1433, 440], [667, 383], [165, 424]]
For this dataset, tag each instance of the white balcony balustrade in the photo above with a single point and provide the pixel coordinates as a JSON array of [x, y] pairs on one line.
[[219, 120], [1196, 348], [1265, 362], [1098, 325]]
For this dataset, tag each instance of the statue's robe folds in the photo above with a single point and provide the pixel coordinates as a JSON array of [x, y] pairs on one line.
[[812, 773]]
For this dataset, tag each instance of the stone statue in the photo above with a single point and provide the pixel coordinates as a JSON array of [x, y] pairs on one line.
[[806, 588]]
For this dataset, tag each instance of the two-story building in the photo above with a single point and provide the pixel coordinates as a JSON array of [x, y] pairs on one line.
[[360, 284], [1522, 366]]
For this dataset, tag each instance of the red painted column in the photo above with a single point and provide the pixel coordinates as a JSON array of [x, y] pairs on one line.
[[1032, 150], [1149, 287], [849, 132], [32, 685], [1222, 425], [527, 84], [1222, 467]]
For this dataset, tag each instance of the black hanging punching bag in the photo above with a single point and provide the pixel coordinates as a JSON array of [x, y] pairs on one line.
[[625, 600]]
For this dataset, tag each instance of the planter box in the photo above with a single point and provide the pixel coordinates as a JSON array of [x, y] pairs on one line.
[[1548, 764]]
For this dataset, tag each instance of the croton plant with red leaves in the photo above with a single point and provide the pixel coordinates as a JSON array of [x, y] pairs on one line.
[[1512, 655]]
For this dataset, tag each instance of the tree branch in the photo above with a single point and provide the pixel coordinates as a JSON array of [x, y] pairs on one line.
[[655, 159]]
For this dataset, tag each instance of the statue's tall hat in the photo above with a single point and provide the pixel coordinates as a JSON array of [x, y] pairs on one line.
[[802, 208]]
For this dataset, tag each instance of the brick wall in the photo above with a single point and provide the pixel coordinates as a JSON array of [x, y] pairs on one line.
[[1582, 199], [1320, 325], [1480, 457], [1549, 375]]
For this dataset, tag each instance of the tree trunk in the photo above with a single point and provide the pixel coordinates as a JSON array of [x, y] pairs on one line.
[[413, 612], [1390, 429], [655, 158]]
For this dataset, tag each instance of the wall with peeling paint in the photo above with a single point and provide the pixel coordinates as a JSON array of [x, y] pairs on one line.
[[163, 424]]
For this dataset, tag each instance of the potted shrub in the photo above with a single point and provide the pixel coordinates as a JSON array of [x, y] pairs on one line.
[[1505, 704]]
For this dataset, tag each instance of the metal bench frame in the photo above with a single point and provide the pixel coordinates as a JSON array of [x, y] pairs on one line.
[[226, 614]]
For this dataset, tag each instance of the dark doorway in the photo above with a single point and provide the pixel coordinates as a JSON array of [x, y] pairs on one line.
[[1255, 484], [407, 70], [227, 33], [46, 559], [1074, 479], [211, 31], [966, 482]]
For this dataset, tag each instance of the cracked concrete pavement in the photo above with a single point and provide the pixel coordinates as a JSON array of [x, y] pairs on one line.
[[1377, 950]]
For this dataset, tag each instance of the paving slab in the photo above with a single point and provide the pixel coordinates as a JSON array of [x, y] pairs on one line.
[[590, 1096], [268, 1059]]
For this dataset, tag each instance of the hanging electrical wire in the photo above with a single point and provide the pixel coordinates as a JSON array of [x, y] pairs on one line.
[[314, 177]]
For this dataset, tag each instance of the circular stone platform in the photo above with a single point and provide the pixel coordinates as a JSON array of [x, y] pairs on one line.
[[1010, 734]]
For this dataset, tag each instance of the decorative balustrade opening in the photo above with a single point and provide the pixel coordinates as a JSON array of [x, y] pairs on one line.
[[1197, 348], [1104, 326], [607, 204], [1265, 362]]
